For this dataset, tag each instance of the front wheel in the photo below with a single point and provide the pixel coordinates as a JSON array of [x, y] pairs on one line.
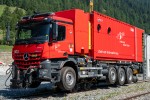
[[68, 79]]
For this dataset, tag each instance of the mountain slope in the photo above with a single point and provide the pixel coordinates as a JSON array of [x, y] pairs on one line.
[[135, 12]]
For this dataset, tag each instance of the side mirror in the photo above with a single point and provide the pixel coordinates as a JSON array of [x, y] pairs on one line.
[[55, 31]]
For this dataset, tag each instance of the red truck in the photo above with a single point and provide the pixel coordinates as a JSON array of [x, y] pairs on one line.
[[73, 48]]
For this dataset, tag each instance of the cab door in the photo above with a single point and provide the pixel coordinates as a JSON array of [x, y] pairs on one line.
[[64, 44]]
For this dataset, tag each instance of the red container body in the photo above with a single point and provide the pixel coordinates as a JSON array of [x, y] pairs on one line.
[[115, 40], [109, 39]]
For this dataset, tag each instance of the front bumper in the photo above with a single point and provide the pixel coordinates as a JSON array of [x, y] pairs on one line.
[[49, 71]]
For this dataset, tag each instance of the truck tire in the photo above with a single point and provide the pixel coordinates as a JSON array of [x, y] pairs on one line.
[[112, 75], [121, 76], [68, 79], [129, 76], [135, 79]]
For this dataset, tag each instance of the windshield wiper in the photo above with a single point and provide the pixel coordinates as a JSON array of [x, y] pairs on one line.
[[37, 41], [21, 42], [24, 42]]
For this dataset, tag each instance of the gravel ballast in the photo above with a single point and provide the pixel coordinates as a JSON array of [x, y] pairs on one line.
[[102, 92]]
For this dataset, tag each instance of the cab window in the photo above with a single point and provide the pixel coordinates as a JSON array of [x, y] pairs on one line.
[[61, 33]]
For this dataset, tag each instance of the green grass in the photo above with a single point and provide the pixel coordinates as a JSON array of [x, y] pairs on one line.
[[5, 48]]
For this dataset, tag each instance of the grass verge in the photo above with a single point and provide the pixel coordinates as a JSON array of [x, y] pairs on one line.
[[5, 48]]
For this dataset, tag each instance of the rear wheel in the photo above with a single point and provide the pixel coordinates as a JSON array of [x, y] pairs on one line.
[[121, 76], [112, 76], [129, 76], [68, 79], [135, 79]]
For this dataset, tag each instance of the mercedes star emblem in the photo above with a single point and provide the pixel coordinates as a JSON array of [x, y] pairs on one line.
[[26, 56]]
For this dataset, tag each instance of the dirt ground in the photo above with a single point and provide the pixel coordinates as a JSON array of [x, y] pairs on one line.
[[6, 58]]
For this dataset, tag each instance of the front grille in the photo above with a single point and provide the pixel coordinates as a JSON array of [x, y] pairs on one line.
[[33, 60]]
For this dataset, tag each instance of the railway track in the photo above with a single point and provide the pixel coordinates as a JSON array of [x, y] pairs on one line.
[[39, 94], [56, 93], [136, 96]]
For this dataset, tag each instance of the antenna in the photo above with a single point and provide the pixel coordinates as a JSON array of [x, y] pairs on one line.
[[91, 6]]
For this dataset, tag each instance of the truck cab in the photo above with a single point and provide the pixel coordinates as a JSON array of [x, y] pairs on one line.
[[39, 39]]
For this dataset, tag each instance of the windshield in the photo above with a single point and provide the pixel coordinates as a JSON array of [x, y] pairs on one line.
[[33, 33]]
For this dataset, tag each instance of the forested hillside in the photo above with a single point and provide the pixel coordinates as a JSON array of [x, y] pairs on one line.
[[135, 12]]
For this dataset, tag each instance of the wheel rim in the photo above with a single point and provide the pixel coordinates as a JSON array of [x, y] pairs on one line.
[[122, 76], [69, 79], [113, 75]]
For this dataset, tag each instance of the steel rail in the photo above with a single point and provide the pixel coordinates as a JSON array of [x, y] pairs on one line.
[[136, 96]]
